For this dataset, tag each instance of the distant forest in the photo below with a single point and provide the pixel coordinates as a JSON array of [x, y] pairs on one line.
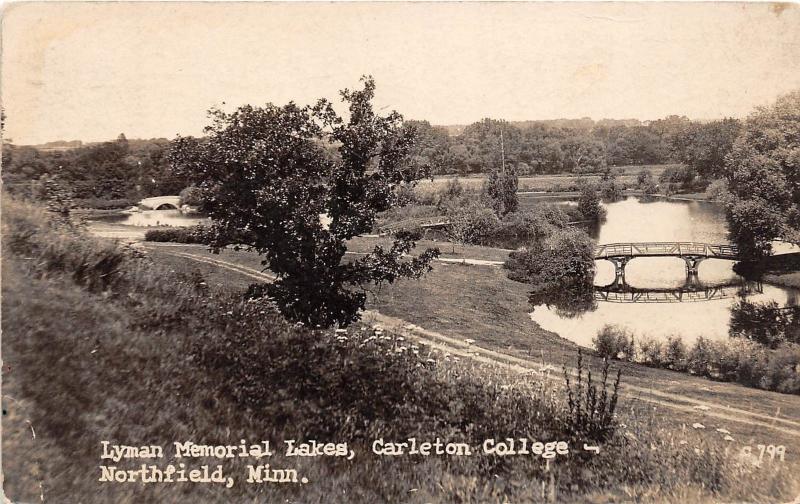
[[139, 168], [570, 146]]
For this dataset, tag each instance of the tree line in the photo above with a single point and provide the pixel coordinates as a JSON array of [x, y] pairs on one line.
[[579, 146], [121, 169]]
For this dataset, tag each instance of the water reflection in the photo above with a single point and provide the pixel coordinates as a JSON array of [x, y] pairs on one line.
[[692, 290], [656, 298], [149, 218]]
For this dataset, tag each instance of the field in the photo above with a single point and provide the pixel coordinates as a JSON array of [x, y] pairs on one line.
[[545, 183]]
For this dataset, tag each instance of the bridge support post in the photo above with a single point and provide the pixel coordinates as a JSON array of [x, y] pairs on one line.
[[692, 263], [619, 267]]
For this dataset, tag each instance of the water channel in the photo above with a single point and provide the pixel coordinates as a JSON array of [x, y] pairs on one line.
[[658, 299]]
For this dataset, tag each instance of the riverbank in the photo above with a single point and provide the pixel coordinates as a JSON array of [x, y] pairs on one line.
[[181, 360]]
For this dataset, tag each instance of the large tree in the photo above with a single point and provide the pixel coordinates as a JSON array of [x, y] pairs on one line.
[[763, 175], [267, 175]]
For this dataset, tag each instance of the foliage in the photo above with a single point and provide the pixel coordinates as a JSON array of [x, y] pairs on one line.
[[589, 203], [764, 179], [737, 360], [646, 183], [610, 188], [675, 354], [264, 176], [120, 169], [500, 191], [704, 146], [566, 256], [591, 409], [528, 226], [191, 196], [764, 323], [195, 234], [472, 224], [614, 342], [717, 190]]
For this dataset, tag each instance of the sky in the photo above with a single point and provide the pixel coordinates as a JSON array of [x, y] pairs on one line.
[[90, 71]]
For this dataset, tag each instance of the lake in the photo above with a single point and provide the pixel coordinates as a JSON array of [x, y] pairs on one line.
[[658, 300]]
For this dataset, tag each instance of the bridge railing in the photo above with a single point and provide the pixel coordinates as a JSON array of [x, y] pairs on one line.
[[665, 249]]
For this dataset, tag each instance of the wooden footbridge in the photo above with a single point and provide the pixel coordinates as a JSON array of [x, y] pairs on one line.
[[691, 252]]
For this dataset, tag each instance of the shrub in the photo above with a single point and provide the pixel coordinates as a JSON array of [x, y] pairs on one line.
[[646, 183], [472, 224], [675, 354], [591, 413], [611, 189], [194, 234], [566, 256], [614, 342], [783, 370], [700, 358], [589, 203], [651, 352], [717, 190], [528, 226], [191, 196]]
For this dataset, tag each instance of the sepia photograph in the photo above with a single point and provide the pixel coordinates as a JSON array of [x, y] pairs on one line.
[[400, 252]]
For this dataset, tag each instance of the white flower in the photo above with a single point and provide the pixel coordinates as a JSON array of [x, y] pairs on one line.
[[698, 426]]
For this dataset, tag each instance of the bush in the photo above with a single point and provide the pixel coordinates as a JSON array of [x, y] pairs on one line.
[[717, 191], [195, 234], [500, 191], [646, 183], [736, 360], [700, 358], [191, 196], [675, 354], [651, 352], [611, 189], [614, 342], [473, 224], [783, 371], [529, 226], [566, 256], [589, 203]]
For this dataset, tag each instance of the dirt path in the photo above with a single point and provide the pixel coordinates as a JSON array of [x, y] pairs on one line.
[[465, 349]]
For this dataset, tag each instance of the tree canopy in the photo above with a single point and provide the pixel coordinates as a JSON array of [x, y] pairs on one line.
[[763, 177], [269, 173]]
